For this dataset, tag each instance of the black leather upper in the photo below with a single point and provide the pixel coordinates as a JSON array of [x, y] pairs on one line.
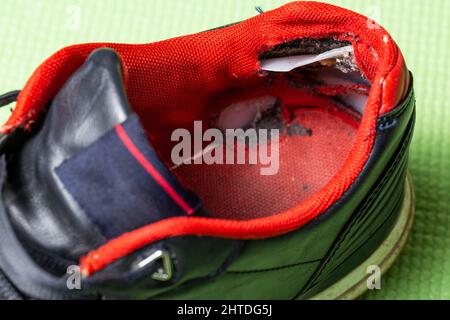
[[44, 230], [43, 213], [44, 223]]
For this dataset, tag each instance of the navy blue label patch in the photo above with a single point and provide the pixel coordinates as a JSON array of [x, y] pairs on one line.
[[121, 183]]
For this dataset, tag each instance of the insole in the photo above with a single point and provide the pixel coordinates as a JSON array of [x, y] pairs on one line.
[[308, 159]]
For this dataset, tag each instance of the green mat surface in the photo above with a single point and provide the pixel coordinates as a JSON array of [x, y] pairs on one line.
[[31, 30]]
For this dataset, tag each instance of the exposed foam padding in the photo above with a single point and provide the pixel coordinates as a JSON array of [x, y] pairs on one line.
[[329, 65], [289, 63]]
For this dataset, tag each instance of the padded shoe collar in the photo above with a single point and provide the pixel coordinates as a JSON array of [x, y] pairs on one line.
[[88, 174]]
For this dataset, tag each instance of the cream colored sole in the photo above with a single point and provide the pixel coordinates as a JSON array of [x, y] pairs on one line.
[[355, 283]]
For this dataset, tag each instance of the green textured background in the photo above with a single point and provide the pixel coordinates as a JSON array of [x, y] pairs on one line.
[[31, 30]]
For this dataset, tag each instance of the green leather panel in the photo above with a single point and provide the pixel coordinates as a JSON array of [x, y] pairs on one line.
[[282, 283]]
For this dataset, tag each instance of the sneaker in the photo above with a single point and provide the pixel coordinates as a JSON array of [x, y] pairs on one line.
[[121, 177]]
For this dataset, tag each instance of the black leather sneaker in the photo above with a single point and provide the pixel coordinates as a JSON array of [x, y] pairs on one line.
[[94, 206]]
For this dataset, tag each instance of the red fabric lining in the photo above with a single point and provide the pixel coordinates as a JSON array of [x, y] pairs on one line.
[[151, 170], [306, 164], [338, 90], [172, 81]]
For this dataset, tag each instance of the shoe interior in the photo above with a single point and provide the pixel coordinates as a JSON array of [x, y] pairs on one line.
[[317, 109]]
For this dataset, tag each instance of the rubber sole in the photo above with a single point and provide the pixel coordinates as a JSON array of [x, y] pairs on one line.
[[355, 283]]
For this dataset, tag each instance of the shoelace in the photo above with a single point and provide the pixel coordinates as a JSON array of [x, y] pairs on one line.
[[8, 98]]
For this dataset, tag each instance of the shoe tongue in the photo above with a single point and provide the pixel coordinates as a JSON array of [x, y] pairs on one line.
[[93, 164], [121, 184], [118, 180]]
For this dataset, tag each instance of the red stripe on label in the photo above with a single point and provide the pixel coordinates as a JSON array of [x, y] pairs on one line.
[[128, 143]]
